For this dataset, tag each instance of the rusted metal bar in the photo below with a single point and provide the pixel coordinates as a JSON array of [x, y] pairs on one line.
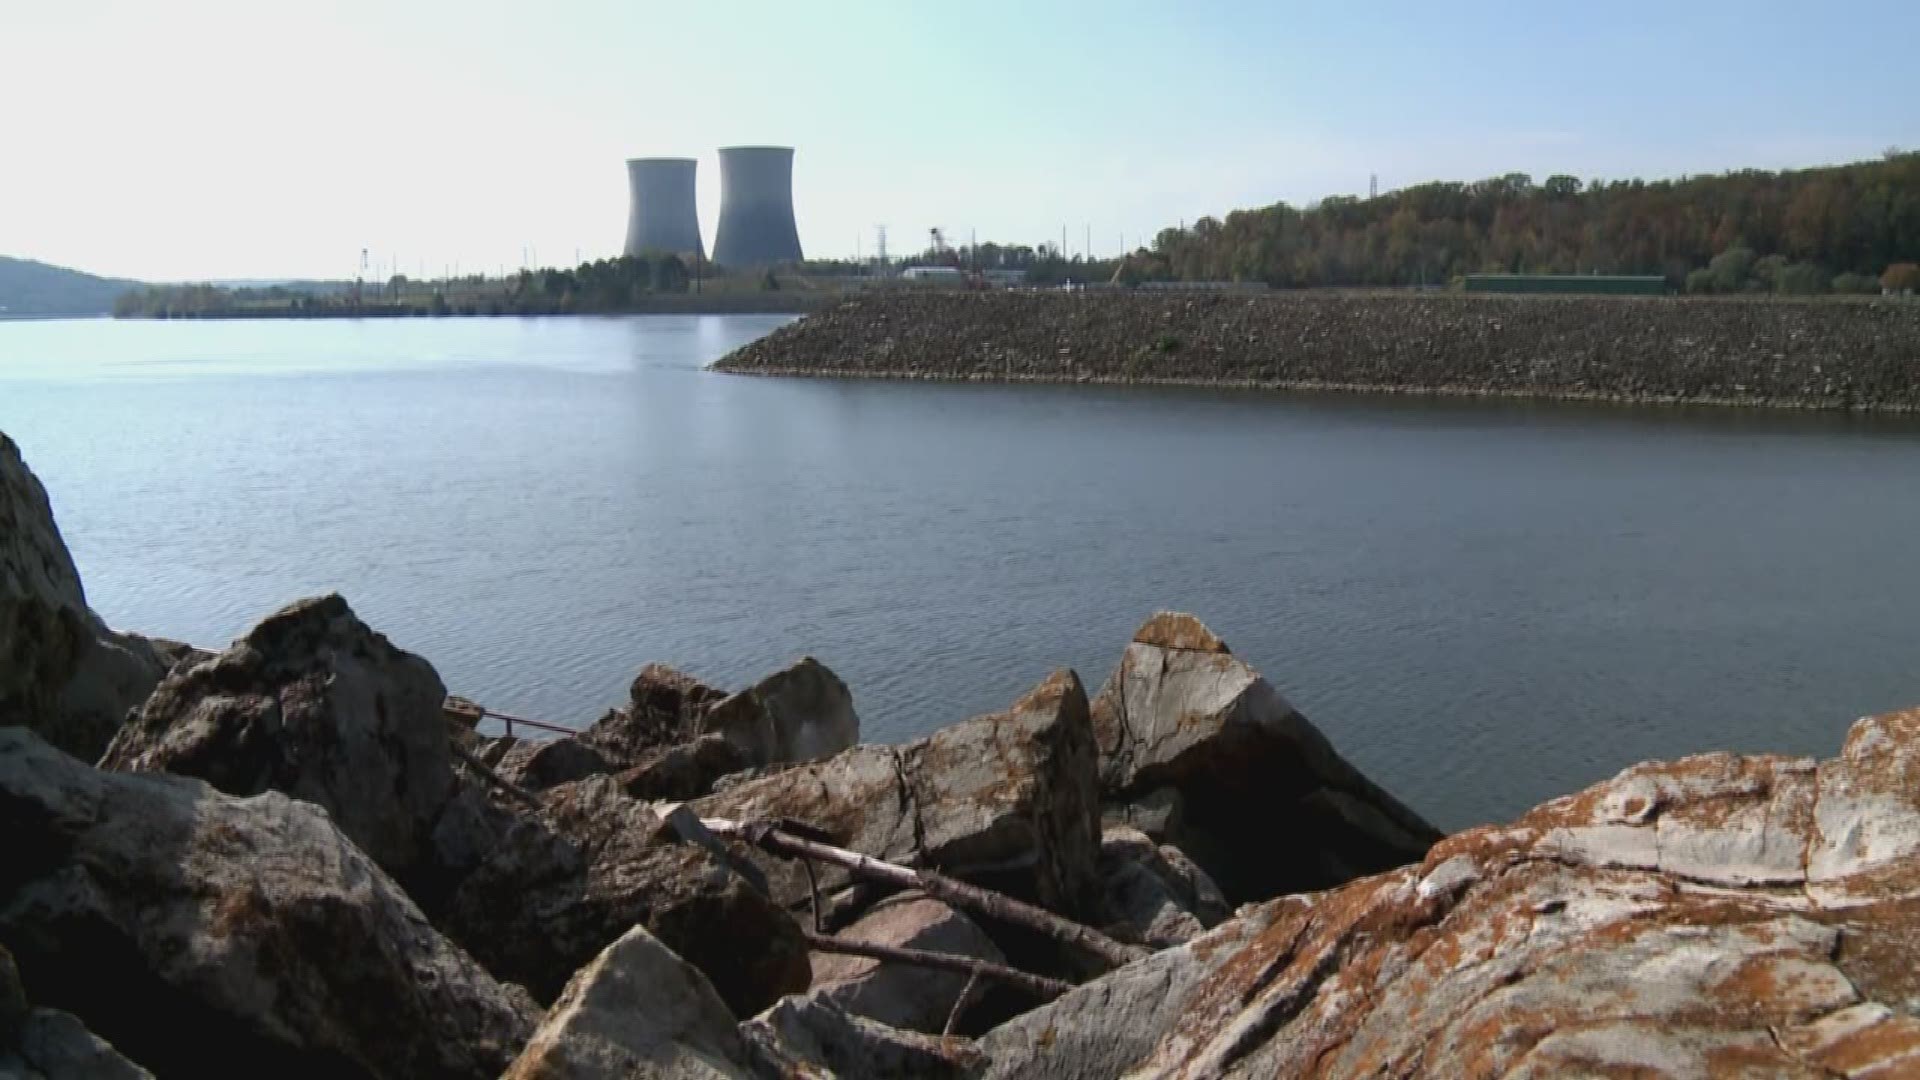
[[470, 713]]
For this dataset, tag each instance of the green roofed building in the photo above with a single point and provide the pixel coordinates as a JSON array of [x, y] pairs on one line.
[[1570, 284]]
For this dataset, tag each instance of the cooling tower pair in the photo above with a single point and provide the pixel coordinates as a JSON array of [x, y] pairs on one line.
[[756, 207]]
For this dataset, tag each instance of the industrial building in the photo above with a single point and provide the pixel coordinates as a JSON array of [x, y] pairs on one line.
[[756, 207], [662, 215]]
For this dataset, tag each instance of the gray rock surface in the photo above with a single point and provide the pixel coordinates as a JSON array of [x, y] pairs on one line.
[[44, 624], [1266, 804], [205, 934], [1009, 796], [900, 995], [797, 714], [113, 679], [806, 1037], [314, 704], [560, 885], [66, 675], [1719, 915], [636, 1011]]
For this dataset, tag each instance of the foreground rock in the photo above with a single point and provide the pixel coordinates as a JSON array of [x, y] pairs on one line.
[[65, 674], [207, 935], [1264, 802], [636, 1010], [314, 704], [1714, 916], [811, 1037], [1008, 799], [561, 884]]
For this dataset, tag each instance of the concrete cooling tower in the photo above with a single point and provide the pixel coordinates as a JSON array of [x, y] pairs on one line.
[[756, 207], [662, 217]]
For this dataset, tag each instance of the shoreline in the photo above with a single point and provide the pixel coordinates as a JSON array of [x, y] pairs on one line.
[[1330, 388], [748, 304]]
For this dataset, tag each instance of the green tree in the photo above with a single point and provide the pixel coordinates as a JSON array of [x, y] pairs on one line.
[[670, 275], [1731, 269], [1802, 279]]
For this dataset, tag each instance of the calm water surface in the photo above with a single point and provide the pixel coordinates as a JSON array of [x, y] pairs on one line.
[[1484, 605]]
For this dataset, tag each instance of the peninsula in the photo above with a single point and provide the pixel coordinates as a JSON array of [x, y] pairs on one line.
[[1826, 353]]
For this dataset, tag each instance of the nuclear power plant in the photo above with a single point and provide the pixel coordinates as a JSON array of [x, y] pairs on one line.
[[662, 216], [756, 207]]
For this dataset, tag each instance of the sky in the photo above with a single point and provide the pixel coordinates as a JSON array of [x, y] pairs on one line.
[[229, 139]]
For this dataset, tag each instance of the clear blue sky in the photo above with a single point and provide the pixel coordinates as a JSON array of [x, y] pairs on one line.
[[254, 138]]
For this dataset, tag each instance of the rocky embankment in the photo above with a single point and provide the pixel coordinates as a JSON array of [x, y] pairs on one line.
[[291, 858], [1830, 354]]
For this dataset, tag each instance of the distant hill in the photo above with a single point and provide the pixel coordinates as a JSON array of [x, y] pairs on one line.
[[35, 288]]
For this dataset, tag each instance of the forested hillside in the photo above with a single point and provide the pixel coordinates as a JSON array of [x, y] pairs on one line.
[[1809, 230], [35, 288]]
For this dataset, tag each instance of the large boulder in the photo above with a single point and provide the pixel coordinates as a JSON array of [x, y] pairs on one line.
[[636, 1010], [561, 884], [66, 675], [901, 995], [797, 714], [314, 704], [210, 935], [1714, 916], [1266, 804], [1008, 797]]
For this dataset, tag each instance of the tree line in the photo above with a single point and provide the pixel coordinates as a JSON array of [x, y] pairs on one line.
[[1841, 228], [596, 286]]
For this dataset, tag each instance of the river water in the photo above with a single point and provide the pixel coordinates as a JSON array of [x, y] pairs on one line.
[[1483, 604]]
